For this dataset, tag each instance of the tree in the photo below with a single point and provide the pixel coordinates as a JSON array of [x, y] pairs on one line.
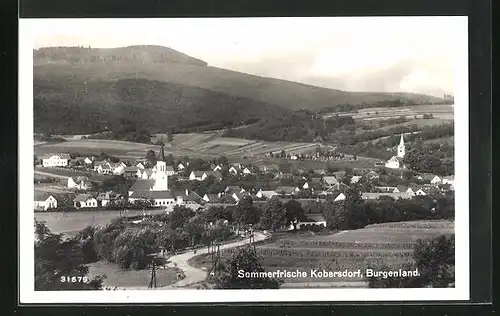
[[35, 160], [231, 274], [56, 259], [294, 212], [151, 157], [435, 260], [170, 137], [246, 213], [273, 215]]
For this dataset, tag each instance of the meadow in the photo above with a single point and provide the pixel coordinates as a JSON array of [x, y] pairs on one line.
[[439, 111], [388, 244]]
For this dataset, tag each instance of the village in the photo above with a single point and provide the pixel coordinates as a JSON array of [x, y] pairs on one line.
[[155, 183]]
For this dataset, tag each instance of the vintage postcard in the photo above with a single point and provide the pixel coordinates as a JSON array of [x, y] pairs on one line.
[[299, 159]]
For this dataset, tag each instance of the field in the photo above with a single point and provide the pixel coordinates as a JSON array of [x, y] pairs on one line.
[[388, 244], [441, 112], [202, 145], [93, 146], [116, 277], [71, 222]]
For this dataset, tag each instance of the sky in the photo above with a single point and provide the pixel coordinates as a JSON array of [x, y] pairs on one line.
[[398, 54]]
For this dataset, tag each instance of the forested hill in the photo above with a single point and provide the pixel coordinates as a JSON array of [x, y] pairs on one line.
[[166, 65], [73, 106]]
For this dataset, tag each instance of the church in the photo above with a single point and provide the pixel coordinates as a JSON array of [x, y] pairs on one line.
[[396, 162], [156, 189]]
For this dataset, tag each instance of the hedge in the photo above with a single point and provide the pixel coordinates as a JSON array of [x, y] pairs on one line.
[[341, 244]]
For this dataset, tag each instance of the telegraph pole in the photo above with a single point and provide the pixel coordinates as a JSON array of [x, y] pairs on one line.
[[152, 282]]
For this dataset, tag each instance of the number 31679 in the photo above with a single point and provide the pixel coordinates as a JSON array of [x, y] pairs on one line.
[[74, 279]]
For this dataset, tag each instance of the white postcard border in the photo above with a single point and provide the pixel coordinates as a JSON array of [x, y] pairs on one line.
[[26, 216]]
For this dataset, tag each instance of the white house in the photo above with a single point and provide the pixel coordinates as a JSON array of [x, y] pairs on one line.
[[104, 168], [218, 168], [196, 175], [420, 192], [140, 165], [84, 201], [247, 171], [330, 181], [305, 186], [312, 220], [355, 179], [55, 160], [118, 168], [180, 166], [266, 194], [44, 201], [340, 197], [394, 163], [233, 170], [79, 183]]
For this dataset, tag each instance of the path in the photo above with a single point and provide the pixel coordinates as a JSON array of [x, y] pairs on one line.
[[195, 275]]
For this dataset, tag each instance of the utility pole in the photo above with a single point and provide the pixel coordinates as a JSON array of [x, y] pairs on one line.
[[152, 282]]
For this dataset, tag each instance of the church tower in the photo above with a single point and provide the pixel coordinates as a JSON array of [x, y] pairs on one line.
[[401, 147], [161, 179]]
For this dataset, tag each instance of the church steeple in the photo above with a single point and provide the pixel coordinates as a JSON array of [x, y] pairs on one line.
[[162, 153], [401, 147]]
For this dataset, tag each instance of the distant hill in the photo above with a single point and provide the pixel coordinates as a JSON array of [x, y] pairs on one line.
[[73, 106], [169, 66]]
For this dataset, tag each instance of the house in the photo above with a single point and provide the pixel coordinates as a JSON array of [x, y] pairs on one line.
[[99, 163], [217, 168], [196, 175], [214, 198], [420, 192], [104, 168], [132, 172], [79, 183], [433, 179], [247, 171], [117, 168], [340, 197], [355, 179], [140, 165], [181, 167], [305, 186], [448, 180], [312, 220], [84, 201], [445, 187], [187, 197], [336, 188], [404, 189], [330, 180], [216, 174], [385, 189], [230, 189], [104, 198], [375, 196], [44, 201], [266, 194], [339, 175], [286, 190], [239, 196], [233, 171], [395, 163], [55, 160], [372, 175]]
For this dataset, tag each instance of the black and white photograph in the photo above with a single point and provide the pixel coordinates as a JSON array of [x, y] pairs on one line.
[[301, 159]]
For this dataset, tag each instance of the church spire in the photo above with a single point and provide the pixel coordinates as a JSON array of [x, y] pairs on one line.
[[401, 147], [162, 153], [402, 141]]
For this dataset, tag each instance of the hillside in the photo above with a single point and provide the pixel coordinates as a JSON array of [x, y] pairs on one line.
[[167, 65], [72, 106]]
